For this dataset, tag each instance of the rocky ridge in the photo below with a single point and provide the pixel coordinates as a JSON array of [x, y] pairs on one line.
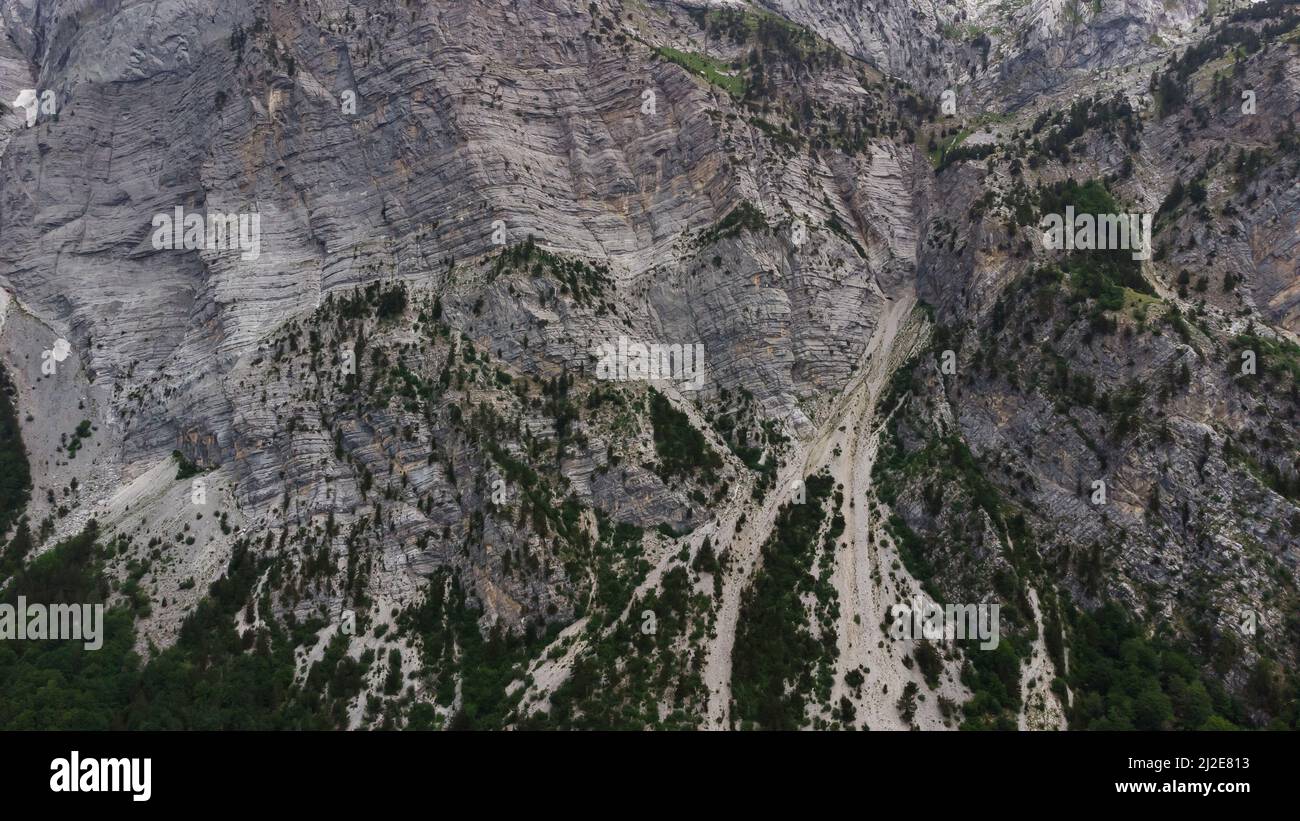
[[396, 407]]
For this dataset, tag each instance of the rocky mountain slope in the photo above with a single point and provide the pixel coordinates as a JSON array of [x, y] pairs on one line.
[[365, 460]]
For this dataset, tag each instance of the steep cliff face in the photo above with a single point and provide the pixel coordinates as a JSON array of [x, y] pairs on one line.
[[383, 411], [999, 54]]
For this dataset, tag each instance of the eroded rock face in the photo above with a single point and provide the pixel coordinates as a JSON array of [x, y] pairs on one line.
[[393, 383], [525, 127], [470, 119], [990, 51]]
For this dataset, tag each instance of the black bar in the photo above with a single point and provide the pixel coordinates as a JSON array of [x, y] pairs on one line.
[[1059, 772]]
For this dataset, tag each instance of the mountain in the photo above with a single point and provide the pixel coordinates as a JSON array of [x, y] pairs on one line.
[[326, 329]]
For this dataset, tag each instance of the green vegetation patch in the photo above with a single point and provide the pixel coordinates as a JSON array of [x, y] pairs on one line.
[[15, 473], [1122, 680], [714, 71], [776, 656], [682, 449]]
